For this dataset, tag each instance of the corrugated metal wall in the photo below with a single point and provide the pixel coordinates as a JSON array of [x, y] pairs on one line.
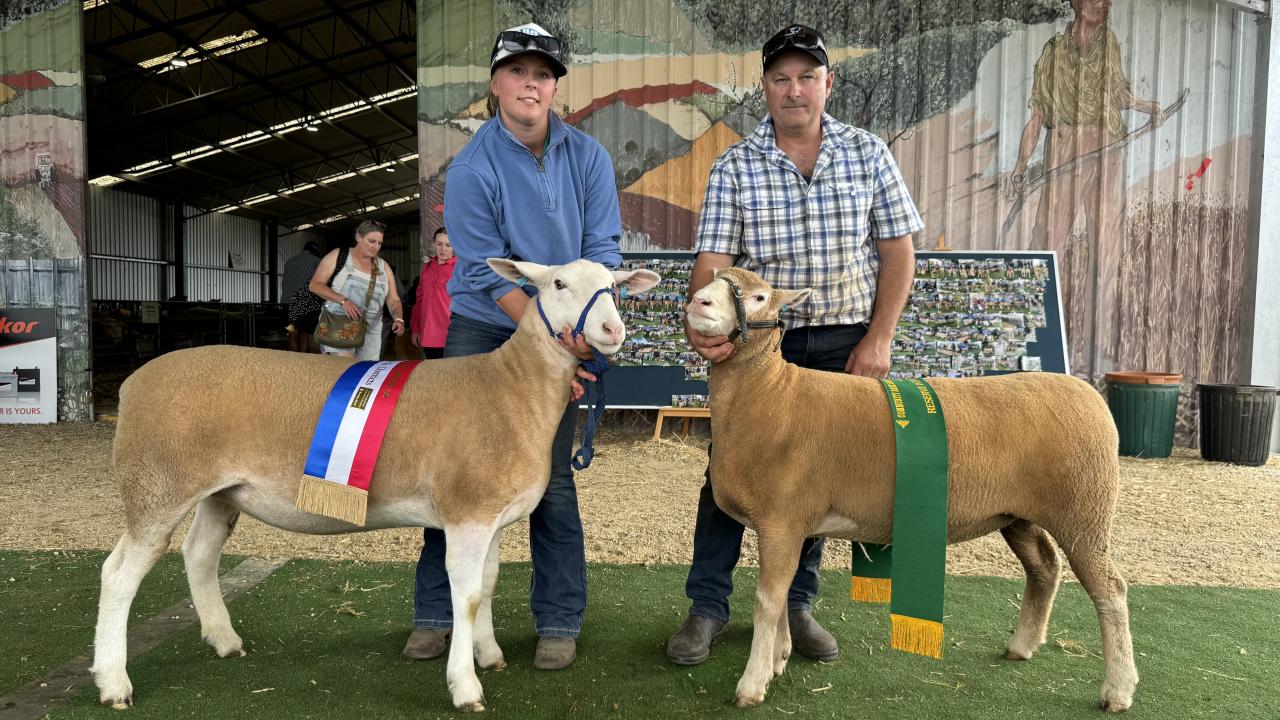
[[225, 258], [42, 160], [129, 253], [131, 238]]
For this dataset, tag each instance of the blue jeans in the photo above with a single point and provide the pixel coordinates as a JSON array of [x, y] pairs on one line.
[[717, 538], [558, 595]]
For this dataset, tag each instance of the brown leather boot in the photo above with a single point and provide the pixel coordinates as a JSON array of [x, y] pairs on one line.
[[426, 643], [811, 639], [555, 653], [692, 642]]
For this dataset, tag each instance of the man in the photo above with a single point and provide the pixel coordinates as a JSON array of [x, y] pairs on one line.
[[297, 273], [805, 201], [1078, 92]]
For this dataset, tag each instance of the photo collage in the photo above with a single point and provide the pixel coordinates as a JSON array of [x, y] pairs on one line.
[[654, 320], [968, 317]]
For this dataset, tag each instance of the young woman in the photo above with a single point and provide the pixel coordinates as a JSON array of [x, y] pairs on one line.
[[526, 186]]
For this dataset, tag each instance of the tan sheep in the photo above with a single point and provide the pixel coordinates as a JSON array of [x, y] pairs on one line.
[[226, 430], [800, 452]]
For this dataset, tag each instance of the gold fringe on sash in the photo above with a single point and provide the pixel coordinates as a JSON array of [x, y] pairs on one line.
[[342, 502], [913, 635], [870, 590]]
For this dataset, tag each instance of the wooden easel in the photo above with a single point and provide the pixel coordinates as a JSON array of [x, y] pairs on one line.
[[686, 413]]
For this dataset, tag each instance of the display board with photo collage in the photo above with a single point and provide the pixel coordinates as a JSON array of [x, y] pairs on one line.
[[982, 313], [969, 314]]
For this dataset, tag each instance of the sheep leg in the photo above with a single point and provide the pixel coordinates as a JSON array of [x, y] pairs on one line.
[[1108, 590], [201, 550], [466, 549], [782, 644], [488, 654], [122, 572], [1039, 557], [779, 555]]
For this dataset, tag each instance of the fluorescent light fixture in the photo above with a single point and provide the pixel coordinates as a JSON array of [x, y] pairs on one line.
[[105, 181], [219, 46], [313, 127]]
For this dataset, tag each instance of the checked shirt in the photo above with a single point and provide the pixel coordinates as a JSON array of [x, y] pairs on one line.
[[819, 234]]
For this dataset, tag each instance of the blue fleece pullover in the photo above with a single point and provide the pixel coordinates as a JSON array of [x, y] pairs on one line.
[[501, 201]]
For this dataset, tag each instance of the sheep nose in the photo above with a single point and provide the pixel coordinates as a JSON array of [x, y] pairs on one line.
[[612, 330], [702, 300]]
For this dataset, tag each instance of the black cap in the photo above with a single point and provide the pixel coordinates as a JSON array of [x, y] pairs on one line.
[[795, 37]]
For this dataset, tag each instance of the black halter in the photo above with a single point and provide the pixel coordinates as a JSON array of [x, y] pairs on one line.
[[745, 326]]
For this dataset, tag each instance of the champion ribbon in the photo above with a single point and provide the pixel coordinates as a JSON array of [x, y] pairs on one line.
[[345, 444], [910, 574]]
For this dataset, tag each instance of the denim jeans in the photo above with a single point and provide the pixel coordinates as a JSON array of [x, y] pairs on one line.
[[717, 538], [558, 595]]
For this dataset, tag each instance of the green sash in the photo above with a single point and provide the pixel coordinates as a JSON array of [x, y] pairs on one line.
[[910, 573]]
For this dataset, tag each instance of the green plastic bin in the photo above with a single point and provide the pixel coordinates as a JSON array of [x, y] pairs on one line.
[[1145, 408]]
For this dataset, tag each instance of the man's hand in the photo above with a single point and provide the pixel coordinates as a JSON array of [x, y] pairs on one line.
[[870, 358], [713, 348]]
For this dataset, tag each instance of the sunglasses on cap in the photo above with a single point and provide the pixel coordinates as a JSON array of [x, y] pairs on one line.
[[796, 36], [514, 41]]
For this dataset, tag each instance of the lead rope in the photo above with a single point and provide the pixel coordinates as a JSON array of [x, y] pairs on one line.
[[597, 366]]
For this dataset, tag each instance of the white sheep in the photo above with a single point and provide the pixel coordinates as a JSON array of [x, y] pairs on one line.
[[800, 452], [226, 430]]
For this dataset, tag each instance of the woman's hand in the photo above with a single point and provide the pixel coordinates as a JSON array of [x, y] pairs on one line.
[[578, 347], [575, 344], [349, 308], [397, 326]]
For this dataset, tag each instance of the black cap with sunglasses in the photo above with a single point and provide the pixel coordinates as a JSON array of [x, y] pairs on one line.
[[528, 38], [795, 37]]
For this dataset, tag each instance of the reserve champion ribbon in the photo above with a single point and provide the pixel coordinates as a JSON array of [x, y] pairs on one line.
[[347, 438], [910, 574]]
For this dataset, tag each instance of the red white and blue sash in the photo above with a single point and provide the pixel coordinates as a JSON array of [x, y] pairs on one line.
[[348, 436]]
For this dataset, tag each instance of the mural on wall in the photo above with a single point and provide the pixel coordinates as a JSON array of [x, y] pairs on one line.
[[42, 189], [1021, 124]]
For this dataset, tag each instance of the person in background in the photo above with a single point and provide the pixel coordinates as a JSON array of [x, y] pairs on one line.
[[297, 273], [346, 294], [430, 317]]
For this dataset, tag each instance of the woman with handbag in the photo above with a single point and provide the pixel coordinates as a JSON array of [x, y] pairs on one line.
[[355, 284]]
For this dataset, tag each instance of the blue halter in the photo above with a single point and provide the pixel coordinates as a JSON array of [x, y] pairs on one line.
[[597, 366]]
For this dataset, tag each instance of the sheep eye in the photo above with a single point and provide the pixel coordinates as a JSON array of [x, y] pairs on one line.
[[559, 285], [759, 298]]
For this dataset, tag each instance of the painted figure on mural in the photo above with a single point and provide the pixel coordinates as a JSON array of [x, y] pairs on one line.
[[1079, 92]]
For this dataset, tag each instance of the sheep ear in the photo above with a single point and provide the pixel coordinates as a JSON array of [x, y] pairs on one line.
[[793, 298], [636, 280], [517, 270]]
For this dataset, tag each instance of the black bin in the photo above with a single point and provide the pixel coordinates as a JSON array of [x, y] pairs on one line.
[[1235, 423]]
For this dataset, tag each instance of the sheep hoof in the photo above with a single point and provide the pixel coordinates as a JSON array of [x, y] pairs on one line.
[[1115, 706], [749, 700], [123, 703], [472, 707], [1016, 655]]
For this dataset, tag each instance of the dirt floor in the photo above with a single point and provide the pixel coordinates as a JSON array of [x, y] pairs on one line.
[[1180, 521]]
